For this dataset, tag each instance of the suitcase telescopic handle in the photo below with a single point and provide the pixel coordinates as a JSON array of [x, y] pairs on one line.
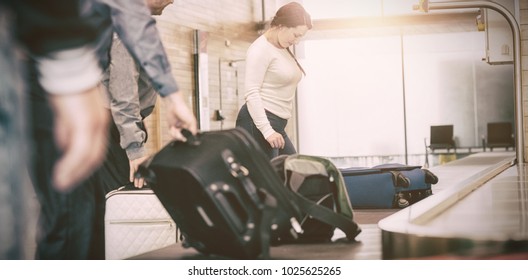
[[232, 206], [191, 138], [241, 173]]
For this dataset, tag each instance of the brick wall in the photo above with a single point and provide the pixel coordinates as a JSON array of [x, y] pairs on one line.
[[231, 27]]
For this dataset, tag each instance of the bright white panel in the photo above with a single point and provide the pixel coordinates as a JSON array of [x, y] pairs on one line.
[[350, 102]]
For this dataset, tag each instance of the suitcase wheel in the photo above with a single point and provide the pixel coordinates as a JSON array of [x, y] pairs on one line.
[[402, 202], [401, 180], [430, 178]]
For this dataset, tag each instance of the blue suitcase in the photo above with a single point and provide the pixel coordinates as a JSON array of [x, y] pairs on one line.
[[388, 185]]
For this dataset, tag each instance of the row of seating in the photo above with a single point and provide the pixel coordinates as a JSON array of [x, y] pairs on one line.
[[499, 135]]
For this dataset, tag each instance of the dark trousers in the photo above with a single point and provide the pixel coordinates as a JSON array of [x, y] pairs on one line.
[[68, 227], [245, 121], [115, 170]]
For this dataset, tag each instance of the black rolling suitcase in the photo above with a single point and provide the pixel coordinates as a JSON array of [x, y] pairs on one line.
[[223, 193], [388, 185]]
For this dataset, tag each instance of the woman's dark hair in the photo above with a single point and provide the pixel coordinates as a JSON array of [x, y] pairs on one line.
[[292, 15]]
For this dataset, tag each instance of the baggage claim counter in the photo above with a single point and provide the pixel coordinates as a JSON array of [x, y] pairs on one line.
[[478, 210]]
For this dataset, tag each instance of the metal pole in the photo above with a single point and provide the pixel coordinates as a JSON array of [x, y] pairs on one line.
[[519, 126], [196, 75], [402, 52], [220, 81]]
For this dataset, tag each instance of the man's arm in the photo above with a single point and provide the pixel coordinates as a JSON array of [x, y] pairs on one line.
[[58, 38], [81, 124], [137, 30], [81, 133], [141, 38], [123, 90]]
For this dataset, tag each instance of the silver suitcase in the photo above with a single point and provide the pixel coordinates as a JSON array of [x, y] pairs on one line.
[[136, 223]]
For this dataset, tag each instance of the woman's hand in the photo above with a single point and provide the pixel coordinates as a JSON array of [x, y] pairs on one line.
[[276, 141]]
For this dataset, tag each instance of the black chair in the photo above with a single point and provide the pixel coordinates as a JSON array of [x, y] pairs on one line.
[[442, 138], [500, 135]]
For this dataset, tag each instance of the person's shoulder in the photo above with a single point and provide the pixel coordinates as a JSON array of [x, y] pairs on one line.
[[260, 45], [255, 43], [260, 39]]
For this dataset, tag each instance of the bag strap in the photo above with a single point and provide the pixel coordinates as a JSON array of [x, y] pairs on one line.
[[268, 212], [323, 214], [296, 61]]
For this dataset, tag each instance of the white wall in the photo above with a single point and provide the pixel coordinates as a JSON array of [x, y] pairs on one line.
[[351, 101]]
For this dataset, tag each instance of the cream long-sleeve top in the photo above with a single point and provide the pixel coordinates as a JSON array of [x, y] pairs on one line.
[[271, 80]]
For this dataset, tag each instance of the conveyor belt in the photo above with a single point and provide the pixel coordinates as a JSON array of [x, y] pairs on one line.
[[479, 210]]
